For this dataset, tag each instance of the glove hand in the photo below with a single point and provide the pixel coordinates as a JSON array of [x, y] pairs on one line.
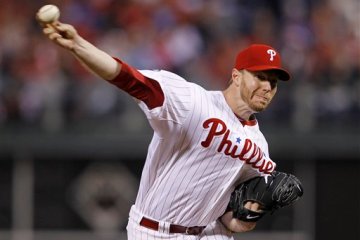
[[270, 193], [236, 225]]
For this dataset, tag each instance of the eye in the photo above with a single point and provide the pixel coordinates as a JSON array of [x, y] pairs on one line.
[[272, 79], [273, 82], [261, 76]]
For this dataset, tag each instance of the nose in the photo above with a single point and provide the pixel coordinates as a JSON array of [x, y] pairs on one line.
[[266, 86]]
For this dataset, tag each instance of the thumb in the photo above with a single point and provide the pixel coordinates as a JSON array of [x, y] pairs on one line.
[[66, 30]]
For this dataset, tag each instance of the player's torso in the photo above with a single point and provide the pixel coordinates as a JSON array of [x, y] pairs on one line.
[[189, 175]]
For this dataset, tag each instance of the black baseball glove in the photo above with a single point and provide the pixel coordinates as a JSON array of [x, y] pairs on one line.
[[277, 191]]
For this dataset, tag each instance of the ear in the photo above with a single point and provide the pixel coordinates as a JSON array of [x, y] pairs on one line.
[[236, 76]]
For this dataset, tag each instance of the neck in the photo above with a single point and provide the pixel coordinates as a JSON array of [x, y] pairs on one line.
[[237, 105]]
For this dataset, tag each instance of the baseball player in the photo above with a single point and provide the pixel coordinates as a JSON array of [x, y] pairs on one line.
[[204, 142]]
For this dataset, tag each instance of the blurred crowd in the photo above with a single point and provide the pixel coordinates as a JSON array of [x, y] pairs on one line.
[[42, 86]]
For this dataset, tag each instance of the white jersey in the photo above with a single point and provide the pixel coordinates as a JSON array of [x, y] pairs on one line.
[[199, 152]]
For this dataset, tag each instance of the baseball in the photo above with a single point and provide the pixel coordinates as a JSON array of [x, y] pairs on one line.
[[48, 13]]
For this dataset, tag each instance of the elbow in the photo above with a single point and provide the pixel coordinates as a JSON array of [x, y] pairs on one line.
[[114, 71]]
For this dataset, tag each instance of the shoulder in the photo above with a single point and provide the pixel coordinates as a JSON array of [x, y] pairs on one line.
[[172, 81], [162, 75]]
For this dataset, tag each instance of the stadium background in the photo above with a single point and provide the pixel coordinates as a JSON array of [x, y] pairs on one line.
[[72, 146]]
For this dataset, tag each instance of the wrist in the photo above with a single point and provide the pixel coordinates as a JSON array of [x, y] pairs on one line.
[[236, 225], [79, 44]]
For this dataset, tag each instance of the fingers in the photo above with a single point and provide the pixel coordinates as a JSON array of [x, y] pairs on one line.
[[55, 36], [61, 26], [65, 30], [51, 32], [248, 205], [47, 30], [59, 37], [253, 206]]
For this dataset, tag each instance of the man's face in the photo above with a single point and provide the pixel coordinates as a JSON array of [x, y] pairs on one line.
[[258, 88]]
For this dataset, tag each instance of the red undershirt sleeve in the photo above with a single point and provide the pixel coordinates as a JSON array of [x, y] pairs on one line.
[[137, 85]]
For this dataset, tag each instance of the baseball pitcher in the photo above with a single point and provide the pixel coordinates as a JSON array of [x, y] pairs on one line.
[[207, 172]]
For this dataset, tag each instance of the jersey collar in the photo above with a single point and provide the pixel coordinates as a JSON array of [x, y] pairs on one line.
[[251, 122]]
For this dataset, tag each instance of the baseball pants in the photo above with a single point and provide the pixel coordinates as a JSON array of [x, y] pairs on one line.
[[213, 231]]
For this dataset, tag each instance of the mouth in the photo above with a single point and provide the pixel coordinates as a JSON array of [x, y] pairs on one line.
[[263, 98]]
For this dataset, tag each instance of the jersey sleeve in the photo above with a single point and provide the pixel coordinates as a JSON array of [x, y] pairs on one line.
[[178, 95], [164, 97], [139, 86]]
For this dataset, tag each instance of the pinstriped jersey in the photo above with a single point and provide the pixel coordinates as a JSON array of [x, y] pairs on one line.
[[199, 151]]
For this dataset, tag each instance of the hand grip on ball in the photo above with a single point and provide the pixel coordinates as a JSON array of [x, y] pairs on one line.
[[48, 14]]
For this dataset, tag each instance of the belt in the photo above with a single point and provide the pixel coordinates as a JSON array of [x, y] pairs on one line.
[[154, 225]]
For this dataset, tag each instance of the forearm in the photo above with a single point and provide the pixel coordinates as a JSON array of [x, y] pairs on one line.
[[102, 64], [95, 60]]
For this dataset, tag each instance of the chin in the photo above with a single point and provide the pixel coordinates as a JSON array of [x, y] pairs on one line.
[[259, 108]]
